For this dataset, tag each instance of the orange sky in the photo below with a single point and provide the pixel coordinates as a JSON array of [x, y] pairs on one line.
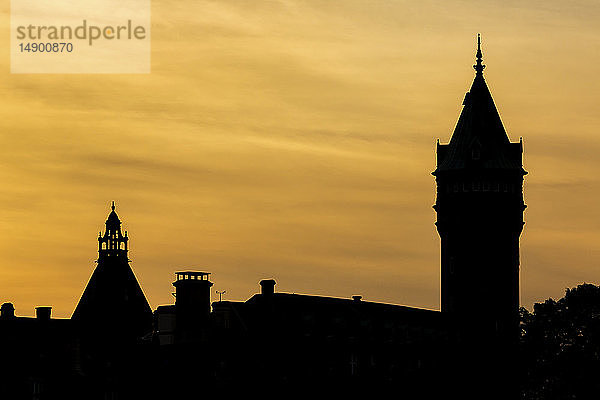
[[295, 140]]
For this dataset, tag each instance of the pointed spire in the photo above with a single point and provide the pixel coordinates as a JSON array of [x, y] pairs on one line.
[[479, 67], [113, 296], [479, 139]]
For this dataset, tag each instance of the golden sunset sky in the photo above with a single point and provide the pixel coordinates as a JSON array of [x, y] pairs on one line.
[[294, 140]]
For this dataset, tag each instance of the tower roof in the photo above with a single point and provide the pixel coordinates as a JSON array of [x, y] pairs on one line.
[[113, 223], [113, 298], [479, 139]]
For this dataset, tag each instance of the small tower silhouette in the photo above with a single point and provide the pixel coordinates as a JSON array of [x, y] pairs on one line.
[[113, 243], [479, 207], [113, 299], [192, 304]]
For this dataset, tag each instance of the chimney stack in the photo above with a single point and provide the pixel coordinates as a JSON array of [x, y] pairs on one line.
[[192, 303], [7, 311], [267, 287], [43, 313]]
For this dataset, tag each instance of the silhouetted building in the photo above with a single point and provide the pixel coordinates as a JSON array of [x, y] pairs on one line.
[[276, 343], [479, 209], [111, 320], [113, 299], [39, 357], [299, 343], [341, 346]]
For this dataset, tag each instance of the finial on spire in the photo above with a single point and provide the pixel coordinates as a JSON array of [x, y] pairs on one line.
[[479, 66], [113, 206]]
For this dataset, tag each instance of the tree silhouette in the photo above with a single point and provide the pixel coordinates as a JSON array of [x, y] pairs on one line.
[[560, 346]]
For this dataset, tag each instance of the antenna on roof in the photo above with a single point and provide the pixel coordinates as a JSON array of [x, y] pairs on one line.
[[221, 293]]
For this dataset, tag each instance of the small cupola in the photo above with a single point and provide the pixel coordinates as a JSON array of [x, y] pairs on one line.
[[113, 242]]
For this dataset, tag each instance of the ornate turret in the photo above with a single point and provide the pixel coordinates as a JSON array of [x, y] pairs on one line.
[[113, 243], [113, 299]]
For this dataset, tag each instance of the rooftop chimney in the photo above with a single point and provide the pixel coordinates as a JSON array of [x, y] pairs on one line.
[[192, 296], [267, 287], [192, 305], [43, 313], [7, 311]]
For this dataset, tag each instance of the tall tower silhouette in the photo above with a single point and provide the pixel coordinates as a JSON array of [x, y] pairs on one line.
[[479, 207], [113, 299]]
